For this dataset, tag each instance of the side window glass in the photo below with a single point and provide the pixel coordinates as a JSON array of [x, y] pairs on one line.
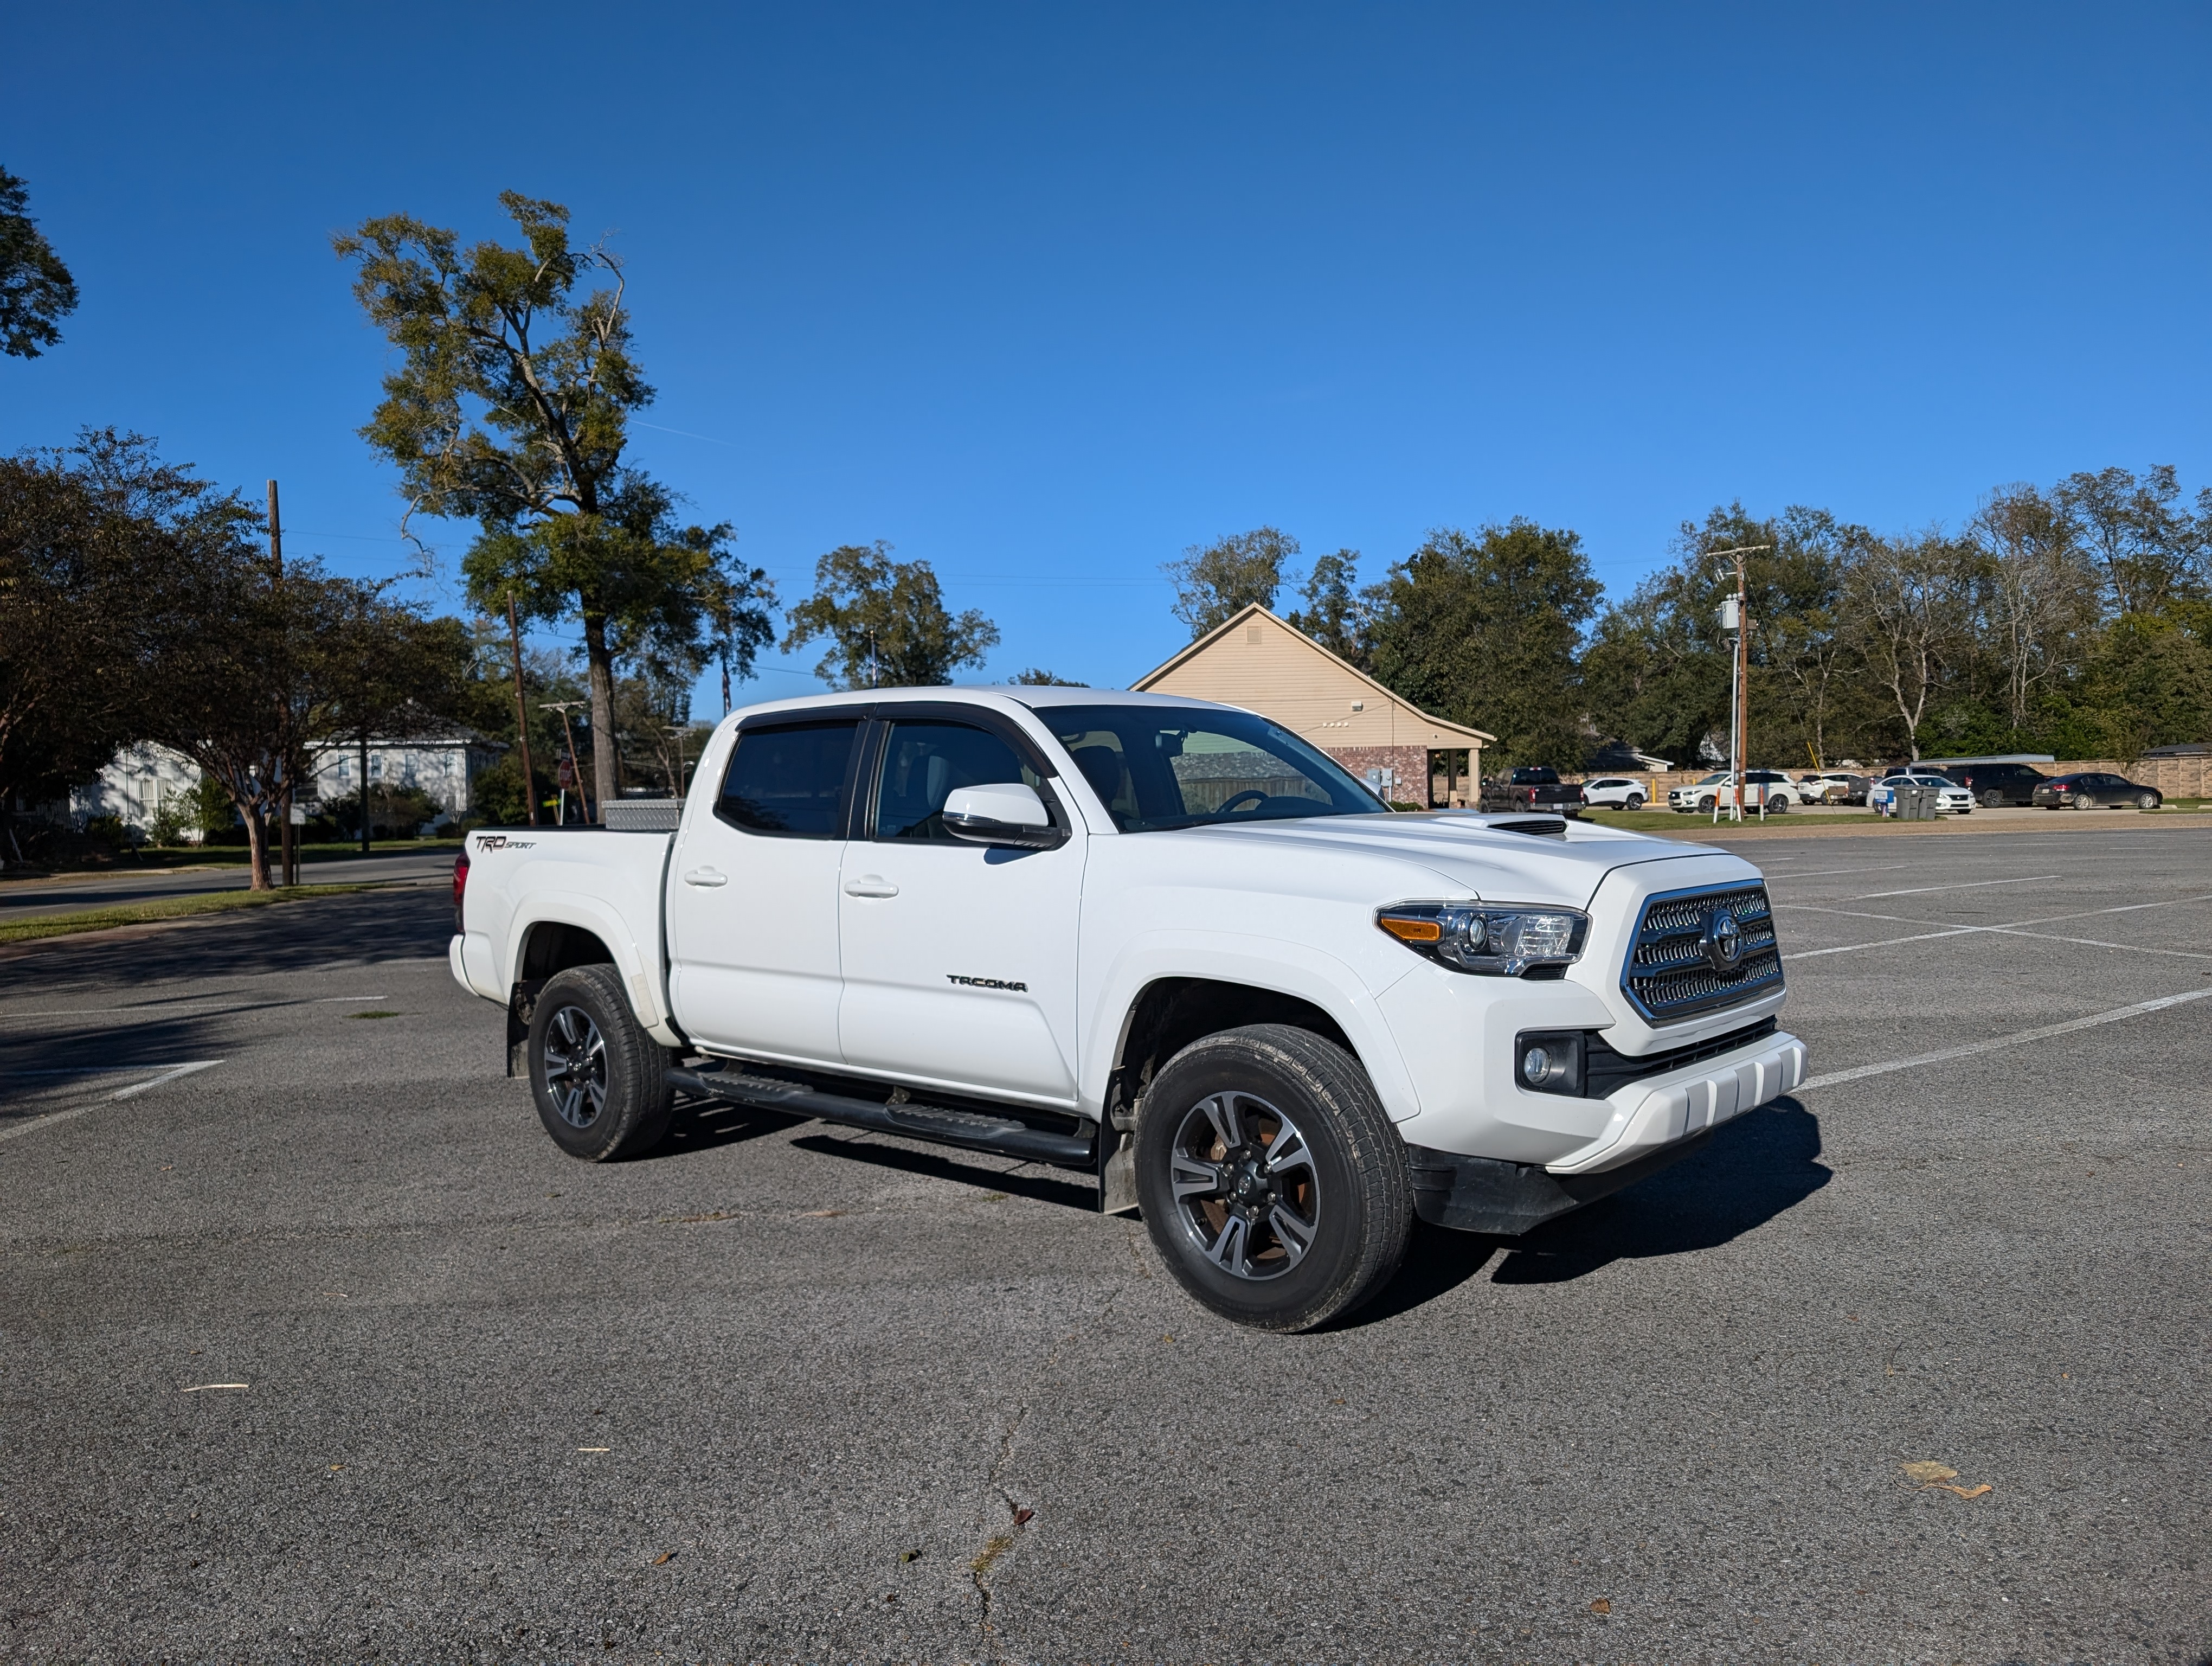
[[1099, 755], [789, 779], [923, 762]]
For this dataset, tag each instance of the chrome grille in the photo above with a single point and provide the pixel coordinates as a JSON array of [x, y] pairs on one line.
[[1667, 977]]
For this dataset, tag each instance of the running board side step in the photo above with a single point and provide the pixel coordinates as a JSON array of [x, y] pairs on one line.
[[971, 1130]]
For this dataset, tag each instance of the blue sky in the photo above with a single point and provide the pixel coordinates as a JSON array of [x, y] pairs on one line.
[[1043, 294]]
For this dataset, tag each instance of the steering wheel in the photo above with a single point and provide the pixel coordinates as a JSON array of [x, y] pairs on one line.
[[1257, 796]]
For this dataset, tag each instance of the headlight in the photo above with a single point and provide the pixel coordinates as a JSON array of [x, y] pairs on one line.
[[1492, 940]]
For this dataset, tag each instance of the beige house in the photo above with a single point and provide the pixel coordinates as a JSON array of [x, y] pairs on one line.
[[1263, 665]]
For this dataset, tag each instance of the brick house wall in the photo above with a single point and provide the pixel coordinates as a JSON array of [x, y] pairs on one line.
[[1409, 763]]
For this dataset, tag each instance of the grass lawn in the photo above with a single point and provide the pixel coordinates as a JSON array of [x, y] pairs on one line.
[[151, 857], [170, 908], [1690, 827]]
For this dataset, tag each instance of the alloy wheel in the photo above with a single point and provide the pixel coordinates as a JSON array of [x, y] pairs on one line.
[[1245, 1185], [576, 1067]]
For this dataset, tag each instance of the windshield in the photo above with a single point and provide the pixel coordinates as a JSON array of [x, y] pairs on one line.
[[1159, 767]]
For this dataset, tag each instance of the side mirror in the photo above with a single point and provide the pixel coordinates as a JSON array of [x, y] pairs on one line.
[[1006, 812]]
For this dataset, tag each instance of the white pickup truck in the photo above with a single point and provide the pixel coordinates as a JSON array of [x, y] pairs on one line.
[[1165, 943]]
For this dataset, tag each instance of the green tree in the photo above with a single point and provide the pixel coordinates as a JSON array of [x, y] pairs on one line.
[[510, 406], [1333, 615], [1037, 678], [73, 538], [1215, 581], [35, 287], [886, 623], [2148, 548], [1486, 630]]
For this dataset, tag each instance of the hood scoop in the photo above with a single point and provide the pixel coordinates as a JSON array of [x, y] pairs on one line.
[[1542, 826]]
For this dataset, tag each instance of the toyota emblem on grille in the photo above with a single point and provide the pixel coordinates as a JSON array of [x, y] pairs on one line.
[[1723, 942]]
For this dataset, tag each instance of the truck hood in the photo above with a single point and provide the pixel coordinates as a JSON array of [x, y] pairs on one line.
[[1465, 856]]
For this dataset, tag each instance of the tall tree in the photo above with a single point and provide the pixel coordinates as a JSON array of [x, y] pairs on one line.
[[73, 539], [1908, 605], [510, 406], [1486, 630], [35, 287], [1215, 581], [1333, 615], [2039, 592], [886, 622], [2148, 547]]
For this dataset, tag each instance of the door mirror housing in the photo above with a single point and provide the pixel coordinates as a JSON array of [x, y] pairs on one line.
[[1007, 813]]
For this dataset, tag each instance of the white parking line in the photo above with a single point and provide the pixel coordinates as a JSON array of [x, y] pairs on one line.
[[1963, 885], [169, 1072], [1943, 1054], [2016, 928]]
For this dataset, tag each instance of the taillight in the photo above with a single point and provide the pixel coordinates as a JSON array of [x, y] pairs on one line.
[[460, 888]]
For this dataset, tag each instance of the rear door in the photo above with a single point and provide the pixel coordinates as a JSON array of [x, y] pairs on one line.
[[752, 913], [959, 958]]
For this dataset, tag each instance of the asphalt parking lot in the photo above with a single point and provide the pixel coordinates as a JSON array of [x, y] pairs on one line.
[[783, 1392]]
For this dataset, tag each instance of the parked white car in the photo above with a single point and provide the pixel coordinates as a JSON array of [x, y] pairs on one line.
[[1768, 786], [1615, 793], [1952, 799], [1168, 944]]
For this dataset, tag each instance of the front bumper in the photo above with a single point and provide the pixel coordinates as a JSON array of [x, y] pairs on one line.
[[1657, 1111], [1655, 1121]]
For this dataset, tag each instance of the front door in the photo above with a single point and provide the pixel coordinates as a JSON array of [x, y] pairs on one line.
[[752, 910], [959, 958]]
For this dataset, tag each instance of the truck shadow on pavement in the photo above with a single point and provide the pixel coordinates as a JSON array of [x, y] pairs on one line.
[[1756, 1168], [1028, 1181]]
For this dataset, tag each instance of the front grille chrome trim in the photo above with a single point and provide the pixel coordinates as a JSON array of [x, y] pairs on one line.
[[1665, 976]]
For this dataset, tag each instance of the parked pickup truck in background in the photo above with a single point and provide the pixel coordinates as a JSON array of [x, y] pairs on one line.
[[1165, 943], [1532, 787]]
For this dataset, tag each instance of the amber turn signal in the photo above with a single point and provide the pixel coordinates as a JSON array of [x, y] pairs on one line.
[[1410, 931]]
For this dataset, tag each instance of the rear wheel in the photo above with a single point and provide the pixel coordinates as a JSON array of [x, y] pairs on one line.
[[601, 1083], [2083, 801], [1272, 1183], [1778, 805], [1992, 800], [1633, 801]]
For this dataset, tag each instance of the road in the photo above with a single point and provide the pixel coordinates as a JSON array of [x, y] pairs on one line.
[[784, 1392], [20, 898]]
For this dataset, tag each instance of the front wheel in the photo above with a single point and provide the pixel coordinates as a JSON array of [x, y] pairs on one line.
[[2147, 801], [601, 1083], [1271, 1182], [1705, 807]]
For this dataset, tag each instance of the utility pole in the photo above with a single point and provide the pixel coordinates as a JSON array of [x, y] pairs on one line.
[[288, 860], [1739, 666], [521, 716]]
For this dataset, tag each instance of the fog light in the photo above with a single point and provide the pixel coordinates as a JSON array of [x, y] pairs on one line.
[[1551, 1061], [1536, 1067]]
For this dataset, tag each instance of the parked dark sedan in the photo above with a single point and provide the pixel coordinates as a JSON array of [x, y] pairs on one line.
[[2091, 791], [1995, 784]]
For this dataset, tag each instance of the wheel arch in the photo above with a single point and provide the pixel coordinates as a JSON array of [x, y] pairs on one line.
[[566, 931], [1169, 1012]]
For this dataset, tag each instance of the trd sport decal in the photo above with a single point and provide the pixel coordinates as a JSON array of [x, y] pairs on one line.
[[986, 983], [500, 841]]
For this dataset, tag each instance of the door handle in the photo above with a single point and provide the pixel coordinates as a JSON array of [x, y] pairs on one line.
[[706, 876], [870, 884]]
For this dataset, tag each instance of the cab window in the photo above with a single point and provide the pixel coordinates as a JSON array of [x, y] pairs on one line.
[[788, 780], [923, 762]]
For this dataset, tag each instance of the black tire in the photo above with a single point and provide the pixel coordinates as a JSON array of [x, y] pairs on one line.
[[1778, 805], [1705, 807], [1635, 801], [1337, 1177], [2146, 801], [2083, 801], [1992, 799], [600, 1082]]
